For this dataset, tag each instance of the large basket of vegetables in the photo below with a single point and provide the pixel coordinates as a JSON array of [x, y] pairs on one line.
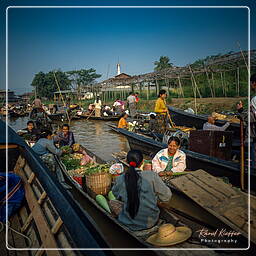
[[98, 179]]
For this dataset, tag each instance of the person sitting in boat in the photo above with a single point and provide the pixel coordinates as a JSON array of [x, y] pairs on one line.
[[46, 149], [140, 191], [37, 103], [210, 126], [31, 130], [122, 122], [152, 125], [107, 111], [65, 137], [169, 160], [118, 106]]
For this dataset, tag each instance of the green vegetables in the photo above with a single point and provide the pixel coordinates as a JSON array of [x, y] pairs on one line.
[[95, 169], [70, 162], [66, 149]]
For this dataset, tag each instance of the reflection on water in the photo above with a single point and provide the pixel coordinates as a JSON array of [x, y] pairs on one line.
[[94, 135]]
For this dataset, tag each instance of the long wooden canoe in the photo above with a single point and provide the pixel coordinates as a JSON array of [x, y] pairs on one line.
[[168, 216], [180, 117], [49, 216], [214, 166], [102, 118]]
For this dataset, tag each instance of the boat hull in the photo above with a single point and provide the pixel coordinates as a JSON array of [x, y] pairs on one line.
[[195, 161]]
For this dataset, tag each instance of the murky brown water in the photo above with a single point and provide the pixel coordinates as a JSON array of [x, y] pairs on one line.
[[94, 135]]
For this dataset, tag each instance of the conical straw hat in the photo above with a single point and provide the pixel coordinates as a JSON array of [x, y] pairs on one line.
[[169, 235]]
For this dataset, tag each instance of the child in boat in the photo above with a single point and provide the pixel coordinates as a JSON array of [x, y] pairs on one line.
[[169, 160], [65, 137], [122, 122], [140, 192]]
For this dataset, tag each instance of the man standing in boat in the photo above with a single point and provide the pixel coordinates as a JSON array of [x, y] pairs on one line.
[[131, 102]]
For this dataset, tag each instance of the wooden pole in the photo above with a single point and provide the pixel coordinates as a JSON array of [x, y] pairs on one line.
[[209, 83], [61, 96], [182, 92], [148, 90], [243, 57], [157, 87], [238, 85], [196, 87], [242, 153], [213, 86], [223, 85], [194, 91]]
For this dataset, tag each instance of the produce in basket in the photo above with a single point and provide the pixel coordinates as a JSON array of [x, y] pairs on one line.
[[66, 149], [96, 168], [86, 159], [70, 163]]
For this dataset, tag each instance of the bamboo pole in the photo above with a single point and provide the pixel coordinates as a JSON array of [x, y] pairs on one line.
[[242, 153], [223, 85], [196, 87], [182, 92], [194, 91], [213, 86], [209, 82], [61, 96], [238, 85], [243, 57]]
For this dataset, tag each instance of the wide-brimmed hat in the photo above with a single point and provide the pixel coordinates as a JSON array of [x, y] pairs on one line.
[[170, 235]]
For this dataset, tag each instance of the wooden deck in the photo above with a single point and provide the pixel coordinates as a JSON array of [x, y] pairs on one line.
[[222, 200]]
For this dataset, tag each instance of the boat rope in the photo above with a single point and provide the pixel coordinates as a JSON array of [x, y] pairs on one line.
[[2, 225]]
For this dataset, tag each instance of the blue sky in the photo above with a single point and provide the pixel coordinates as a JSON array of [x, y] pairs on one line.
[[67, 39]]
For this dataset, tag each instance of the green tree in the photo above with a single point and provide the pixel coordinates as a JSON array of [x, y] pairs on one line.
[[83, 77], [164, 62], [45, 83]]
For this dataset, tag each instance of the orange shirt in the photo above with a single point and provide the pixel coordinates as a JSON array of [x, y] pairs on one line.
[[122, 123]]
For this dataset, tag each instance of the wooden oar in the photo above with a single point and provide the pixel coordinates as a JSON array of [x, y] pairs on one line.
[[90, 114], [242, 153], [62, 97]]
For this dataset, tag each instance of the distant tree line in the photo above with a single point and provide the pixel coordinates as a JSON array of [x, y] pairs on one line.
[[45, 84]]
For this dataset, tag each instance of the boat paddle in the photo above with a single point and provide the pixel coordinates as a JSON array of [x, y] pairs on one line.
[[90, 114], [242, 153]]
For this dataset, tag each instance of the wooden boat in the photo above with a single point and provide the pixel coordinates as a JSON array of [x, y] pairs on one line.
[[214, 166], [169, 216], [180, 117], [102, 118], [57, 116], [17, 113], [44, 220]]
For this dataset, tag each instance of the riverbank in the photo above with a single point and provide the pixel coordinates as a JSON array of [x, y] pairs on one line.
[[203, 105]]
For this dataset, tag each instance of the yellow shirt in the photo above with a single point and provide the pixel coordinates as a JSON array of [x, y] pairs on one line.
[[160, 106], [122, 123]]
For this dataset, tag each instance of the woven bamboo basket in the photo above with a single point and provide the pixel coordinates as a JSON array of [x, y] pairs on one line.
[[99, 183]]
